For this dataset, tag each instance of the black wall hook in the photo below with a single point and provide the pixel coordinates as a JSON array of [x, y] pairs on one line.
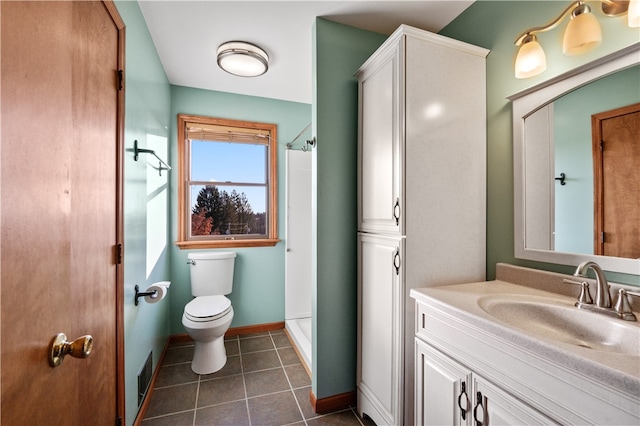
[[136, 151], [562, 178], [143, 293]]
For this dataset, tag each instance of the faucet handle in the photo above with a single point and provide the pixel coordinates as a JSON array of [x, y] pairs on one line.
[[585, 295], [623, 307]]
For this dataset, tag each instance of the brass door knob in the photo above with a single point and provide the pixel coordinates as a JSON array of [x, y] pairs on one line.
[[60, 347]]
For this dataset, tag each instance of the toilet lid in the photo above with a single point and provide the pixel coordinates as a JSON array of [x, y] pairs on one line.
[[207, 308]]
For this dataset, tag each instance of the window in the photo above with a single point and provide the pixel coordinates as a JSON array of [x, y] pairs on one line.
[[227, 186]]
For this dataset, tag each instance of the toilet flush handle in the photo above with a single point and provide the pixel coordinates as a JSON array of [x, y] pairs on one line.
[[191, 262]]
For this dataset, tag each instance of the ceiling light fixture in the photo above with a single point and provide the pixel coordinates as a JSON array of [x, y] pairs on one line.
[[242, 59], [583, 33]]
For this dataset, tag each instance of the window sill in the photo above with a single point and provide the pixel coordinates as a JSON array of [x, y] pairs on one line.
[[182, 245]]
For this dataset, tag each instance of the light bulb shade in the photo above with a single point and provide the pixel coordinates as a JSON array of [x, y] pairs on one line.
[[530, 60], [242, 59], [633, 17], [583, 33]]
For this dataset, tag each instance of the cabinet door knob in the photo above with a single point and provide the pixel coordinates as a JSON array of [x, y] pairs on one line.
[[463, 393], [475, 409]]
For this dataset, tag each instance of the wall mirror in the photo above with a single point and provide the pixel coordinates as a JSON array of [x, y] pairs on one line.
[[561, 215]]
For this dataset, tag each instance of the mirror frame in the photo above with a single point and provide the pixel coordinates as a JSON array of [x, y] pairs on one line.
[[527, 102]]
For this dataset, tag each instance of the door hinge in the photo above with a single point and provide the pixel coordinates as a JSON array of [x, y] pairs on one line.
[[120, 79], [601, 146], [602, 237], [118, 254]]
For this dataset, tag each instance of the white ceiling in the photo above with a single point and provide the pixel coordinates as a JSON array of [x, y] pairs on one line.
[[187, 34]]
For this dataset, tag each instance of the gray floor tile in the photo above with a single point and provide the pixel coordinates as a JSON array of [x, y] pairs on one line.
[[231, 368], [229, 414], [252, 335], [304, 400], [180, 419], [177, 355], [252, 388], [265, 382], [288, 356], [297, 376], [218, 391], [281, 340], [343, 418], [256, 344], [275, 409], [260, 361], [231, 346], [176, 374], [172, 400]]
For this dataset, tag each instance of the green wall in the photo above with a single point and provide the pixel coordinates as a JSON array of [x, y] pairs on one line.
[[146, 225], [495, 25], [258, 283], [338, 52]]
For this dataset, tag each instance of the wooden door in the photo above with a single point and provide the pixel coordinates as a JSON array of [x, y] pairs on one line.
[[616, 153], [60, 210]]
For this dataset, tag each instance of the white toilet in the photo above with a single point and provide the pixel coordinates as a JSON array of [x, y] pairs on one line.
[[207, 317]]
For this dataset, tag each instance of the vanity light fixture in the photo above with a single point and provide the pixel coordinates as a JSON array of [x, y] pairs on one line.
[[633, 18], [242, 59], [583, 33]]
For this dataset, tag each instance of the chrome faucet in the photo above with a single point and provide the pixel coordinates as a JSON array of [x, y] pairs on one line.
[[603, 296], [603, 305]]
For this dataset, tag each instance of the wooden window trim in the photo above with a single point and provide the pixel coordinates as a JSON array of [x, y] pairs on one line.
[[272, 238]]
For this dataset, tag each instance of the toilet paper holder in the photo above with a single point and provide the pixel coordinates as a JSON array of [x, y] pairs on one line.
[[143, 293]]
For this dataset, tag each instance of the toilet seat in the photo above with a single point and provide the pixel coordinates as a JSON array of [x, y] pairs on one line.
[[207, 308]]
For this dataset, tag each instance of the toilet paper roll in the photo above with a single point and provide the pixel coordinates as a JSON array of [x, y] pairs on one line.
[[161, 292], [166, 284]]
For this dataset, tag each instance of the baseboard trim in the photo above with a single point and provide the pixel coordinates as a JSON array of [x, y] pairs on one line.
[[333, 403], [251, 329], [235, 331]]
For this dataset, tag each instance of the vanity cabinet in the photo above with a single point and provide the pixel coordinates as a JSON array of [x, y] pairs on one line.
[[448, 393], [421, 199], [510, 377]]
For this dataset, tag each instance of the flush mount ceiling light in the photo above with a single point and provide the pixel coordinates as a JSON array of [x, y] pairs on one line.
[[242, 59], [583, 33]]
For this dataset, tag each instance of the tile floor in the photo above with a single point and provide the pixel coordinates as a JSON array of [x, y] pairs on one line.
[[263, 383]]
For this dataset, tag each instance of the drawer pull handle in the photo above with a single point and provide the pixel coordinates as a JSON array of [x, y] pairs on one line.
[[475, 409], [396, 261], [463, 393], [396, 211]]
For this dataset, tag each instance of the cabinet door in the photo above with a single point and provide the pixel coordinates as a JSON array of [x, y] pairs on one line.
[[380, 344], [442, 389], [494, 406], [380, 196]]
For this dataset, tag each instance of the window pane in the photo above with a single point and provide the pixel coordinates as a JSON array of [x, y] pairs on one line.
[[228, 210], [228, 162]]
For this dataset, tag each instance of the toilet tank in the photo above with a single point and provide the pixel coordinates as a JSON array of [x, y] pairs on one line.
[[211, 272]]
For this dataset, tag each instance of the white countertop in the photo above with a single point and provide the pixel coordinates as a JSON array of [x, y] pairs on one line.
[[618, 371]]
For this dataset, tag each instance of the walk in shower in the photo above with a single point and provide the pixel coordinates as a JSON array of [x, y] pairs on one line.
[[298, 278]]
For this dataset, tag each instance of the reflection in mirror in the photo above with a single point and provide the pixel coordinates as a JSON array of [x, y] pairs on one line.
[[559, 140], [558, 128]]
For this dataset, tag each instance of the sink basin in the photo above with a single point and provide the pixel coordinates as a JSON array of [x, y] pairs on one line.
[[560, 320]]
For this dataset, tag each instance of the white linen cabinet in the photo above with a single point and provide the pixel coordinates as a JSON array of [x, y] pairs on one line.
[[421, 199]]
